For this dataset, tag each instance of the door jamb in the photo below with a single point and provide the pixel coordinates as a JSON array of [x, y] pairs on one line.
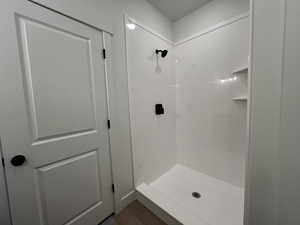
[[106, 37], [5, 207]]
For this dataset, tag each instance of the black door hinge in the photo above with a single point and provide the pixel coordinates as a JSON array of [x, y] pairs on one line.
[[113, 188], [3, 162], [108, 124], [104, 53]]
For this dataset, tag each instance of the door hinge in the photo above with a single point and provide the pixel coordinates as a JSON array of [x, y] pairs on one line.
[[104, 53], [3, 162], [108, 124], [113, 188]]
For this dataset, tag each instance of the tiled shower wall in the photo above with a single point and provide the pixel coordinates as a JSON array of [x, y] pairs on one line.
[[211, 127], [151, 82], [202, 128]]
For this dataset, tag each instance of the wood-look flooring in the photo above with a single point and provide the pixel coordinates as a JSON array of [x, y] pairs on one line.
[[134, 214]]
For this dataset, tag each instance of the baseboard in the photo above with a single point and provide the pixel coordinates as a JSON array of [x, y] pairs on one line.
[[125, 201]]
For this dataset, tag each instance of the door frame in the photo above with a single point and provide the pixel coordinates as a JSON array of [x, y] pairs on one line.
[[4, 204], [107, 45]]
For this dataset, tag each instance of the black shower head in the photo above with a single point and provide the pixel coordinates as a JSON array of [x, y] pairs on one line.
[[164, 53]]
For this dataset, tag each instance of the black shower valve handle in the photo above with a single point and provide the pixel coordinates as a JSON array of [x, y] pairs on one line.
[[159, 109]]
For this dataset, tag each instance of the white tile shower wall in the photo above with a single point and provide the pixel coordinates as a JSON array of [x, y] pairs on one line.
[[211, 128], [151, 81]]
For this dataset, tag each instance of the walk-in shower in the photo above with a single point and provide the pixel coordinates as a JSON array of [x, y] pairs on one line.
[[190, 160]]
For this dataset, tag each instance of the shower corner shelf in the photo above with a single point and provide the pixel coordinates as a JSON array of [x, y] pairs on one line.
[[241, 70], [240, 98]]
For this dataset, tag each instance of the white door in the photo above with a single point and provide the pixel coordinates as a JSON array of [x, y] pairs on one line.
[[53, 113]]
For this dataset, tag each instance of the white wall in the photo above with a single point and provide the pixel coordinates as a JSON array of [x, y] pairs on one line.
[[262, 193], [208, 15], [289, 153], [151, 81], [273, 194], [120, 132], [211, 127]]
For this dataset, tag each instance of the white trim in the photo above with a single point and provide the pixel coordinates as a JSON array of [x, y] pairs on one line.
[[101, 27], [129, 195], [156, 210], [126, 19], [192, 37], [5, 216], [119, 202], [125, 201], [107, 71], [249, 106], [145, 28], [214, 28]]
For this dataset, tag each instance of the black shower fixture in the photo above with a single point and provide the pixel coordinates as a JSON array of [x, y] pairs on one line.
[[163, 52], [159, 109]]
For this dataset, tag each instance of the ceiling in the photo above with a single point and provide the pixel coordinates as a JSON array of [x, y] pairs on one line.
[[176, 9]]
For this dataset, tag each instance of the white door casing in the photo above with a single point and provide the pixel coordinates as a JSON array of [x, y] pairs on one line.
[[54, 112], [4, 209]]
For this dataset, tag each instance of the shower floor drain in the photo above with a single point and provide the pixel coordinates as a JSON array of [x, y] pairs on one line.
[[196, 195]]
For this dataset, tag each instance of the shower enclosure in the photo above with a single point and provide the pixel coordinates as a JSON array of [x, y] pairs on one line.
[[189, 159]]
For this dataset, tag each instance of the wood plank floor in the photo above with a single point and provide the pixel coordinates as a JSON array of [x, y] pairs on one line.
[[134, 214]]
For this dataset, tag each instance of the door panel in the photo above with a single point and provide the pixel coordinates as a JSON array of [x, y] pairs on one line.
[[65, 184], [57, 78], [55, 111]]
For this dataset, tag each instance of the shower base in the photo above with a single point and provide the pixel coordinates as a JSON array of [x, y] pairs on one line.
[[171, 197]]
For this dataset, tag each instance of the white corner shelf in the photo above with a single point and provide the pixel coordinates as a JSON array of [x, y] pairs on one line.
[[240, 98], [241, 70]]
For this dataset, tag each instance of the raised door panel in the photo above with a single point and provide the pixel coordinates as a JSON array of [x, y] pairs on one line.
[[59, 77], [73, 185]]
